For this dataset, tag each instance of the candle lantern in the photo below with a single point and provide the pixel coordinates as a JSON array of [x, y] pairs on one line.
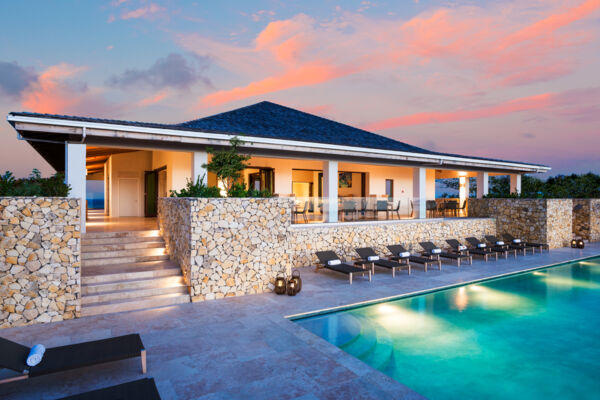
[[291, 288], [297, 280], [280, 286], [580, 244], [574, 243]]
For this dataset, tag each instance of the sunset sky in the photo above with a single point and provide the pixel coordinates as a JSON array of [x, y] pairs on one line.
[[517, 80]]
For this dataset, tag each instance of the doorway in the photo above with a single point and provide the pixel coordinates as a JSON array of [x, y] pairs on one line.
[[128, 197], [155, 186]]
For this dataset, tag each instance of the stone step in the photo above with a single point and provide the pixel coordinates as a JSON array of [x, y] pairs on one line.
[[108, 307], [129, 293], [122, 234], [122, 272], [122, 260], [118, 240], [145, 283], [118, 245], [88, 256]]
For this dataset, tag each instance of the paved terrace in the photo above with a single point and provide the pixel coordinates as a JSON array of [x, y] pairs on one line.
[[243, 347]]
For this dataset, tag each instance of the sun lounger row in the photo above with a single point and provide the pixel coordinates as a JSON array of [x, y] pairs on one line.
[[431, 255]]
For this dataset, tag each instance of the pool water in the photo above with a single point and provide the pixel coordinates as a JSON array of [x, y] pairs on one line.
[[529, 336]]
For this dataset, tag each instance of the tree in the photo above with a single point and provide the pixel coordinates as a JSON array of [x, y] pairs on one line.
[[228, 164], [454, 184]]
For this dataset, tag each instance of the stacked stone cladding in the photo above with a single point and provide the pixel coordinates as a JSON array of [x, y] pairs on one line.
[[586, 219], [40, 262]]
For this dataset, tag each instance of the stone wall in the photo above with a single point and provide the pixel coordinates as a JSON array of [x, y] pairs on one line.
[[233, 246], [343, 238], [536, 220], [586, 219], [39, 260]]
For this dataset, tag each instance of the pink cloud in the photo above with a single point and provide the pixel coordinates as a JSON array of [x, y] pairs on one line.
[[146, 12], [153, 99]]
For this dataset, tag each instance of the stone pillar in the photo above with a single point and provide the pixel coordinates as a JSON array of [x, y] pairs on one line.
[[515, 183], [199, 158], [75, 173], [330, 191], [420, 192], [482, 184]]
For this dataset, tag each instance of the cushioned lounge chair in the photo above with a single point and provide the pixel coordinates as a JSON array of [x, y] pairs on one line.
[[330, 260], [479, 245], [399, 253], [13, 356], [541, 246], [142, 389], [500, 245], [458, 248], [430, 249], [368, 255]]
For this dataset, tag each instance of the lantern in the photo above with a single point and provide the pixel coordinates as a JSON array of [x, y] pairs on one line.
[[574, 243], [280, 285], [580, 244], [297, 280], [291, 287]]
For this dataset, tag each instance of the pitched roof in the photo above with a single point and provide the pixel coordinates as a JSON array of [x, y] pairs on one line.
[[266, 119]]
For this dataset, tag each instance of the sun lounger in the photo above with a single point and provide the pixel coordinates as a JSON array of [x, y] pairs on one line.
[[400, 253], [367, 254], [430, 249], [477, 244], [142, 389], [500, 245], [541, 246], [330, 260], [457, 247], [13, 356]]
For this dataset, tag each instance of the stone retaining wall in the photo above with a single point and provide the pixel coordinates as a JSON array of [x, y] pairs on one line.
[[586, 219], [536, 220], [232, 247], [39, 260]]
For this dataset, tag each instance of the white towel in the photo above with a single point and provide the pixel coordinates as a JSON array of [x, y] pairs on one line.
[[516, 240], [436, 251], [481, 245], [373, 258], [462, 247], [404, 254], [35, 355], [334, 262], [500, 243]]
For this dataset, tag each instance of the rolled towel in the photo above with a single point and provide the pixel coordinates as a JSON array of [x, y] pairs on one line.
[[373, 258], [500, 243], [462, 247], [334, 262], [436, 251], [35, 355], [404, 254], [481, 245], [516, 240]]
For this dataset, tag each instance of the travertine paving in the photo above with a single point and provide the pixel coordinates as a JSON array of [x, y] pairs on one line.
[[243, 347]]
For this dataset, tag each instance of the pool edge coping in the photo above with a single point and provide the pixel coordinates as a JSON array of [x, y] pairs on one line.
[[308, 314]]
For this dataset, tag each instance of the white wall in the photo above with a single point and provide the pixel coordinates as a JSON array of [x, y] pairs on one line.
[[128, 166], [179, 167]]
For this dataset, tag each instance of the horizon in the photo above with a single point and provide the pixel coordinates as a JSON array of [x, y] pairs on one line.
[[498, 79]]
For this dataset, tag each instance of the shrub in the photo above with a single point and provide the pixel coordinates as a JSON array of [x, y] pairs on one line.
[[197, 189], [34, 185], [239, 190]]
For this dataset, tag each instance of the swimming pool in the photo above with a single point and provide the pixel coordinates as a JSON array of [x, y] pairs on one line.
[[533, 335]]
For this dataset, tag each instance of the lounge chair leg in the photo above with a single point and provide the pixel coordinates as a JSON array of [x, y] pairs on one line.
[[393, 272], [143, 357], [425, 267], [408, 263], [369, 276], [14, 378], [458, 262], [440, 264], [350, 277], [470, 260]]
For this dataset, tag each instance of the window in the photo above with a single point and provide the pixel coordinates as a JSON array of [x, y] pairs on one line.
[[389, 189]]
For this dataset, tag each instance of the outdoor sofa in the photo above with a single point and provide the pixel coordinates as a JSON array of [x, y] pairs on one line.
[[142, 389], [13, 355], [399, 253], [329, 260], [367, 254], [432, 250]]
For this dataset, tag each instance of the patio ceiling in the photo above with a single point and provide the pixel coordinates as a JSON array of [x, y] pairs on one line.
[[96, 157]]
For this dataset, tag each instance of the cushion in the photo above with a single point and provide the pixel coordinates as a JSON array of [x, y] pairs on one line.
[[516, 240], [436, 251], [500, 243], [462, 247], [404, 254], [481, 245], [373, 258], [334, 262]]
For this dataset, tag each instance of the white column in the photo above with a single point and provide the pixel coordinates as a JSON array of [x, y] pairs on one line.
[[75, 172], [482, 184], [330, 191], [515, 183], [199, 158], [420, 192]]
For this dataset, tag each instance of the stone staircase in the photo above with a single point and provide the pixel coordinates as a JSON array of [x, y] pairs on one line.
[[124, 271]]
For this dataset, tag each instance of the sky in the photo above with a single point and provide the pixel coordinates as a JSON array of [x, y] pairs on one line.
[[515, 80]]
